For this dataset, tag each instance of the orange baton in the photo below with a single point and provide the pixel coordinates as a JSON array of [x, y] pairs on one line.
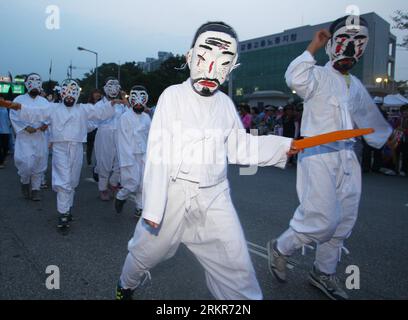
[[330, 137]]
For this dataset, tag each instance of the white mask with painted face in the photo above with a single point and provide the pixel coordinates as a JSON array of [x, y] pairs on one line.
[[211, 60], [138, 97], [112, 88], [70, 90], [348, 42], [33, 82]]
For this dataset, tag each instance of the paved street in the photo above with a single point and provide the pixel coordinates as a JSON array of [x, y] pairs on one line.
[[90, 257]]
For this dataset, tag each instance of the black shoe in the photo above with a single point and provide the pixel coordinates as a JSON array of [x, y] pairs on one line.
[[138, 213], [25, 189], [123, 294], [95, 175], [63, 221], [35, 195], [119, 205], [70, 217]]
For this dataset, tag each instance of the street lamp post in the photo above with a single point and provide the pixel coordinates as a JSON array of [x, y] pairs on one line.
[[96, 66]]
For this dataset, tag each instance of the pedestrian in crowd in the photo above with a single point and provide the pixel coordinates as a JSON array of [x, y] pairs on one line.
[[290, 126], [402, 142], [246, 117], [5, 133], [94, 97]]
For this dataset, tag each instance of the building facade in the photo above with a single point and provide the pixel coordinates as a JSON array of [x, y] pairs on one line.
[[153, 64], [264, 60]]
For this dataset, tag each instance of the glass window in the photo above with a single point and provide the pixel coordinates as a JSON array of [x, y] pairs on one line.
[[285, 38], [263, 42], [243, 47], [270, 42], [293, 37], [249, 46], [277, 40], [255, 45]]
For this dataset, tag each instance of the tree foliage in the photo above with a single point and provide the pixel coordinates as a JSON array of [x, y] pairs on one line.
[[130, 75], [401, 22]]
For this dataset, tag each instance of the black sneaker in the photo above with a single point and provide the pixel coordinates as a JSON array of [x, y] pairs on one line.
[[123, 294], [328, 284], [25, 190], [138, 213], [119, 205], [63, 221]]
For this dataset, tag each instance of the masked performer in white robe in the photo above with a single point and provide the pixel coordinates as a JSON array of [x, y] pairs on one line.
[[329, 176], [31, 147], [68, 121], [133, 130], [195, 131], [107, 164]]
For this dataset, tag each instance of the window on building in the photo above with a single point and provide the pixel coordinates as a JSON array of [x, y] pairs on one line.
[[390, 69], [390, 48], [249, 46], [256, 45], [243, 47], [270, 42], [285, 38], [263, 43], [277, 40], [293, 37]]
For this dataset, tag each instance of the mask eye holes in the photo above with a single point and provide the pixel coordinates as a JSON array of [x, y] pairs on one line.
[[226, 63]]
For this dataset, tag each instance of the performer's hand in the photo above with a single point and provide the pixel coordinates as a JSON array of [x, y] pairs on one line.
[[43, 128], [30, 130], [293, 150], [151, 223], [10, 104], [319, 41]]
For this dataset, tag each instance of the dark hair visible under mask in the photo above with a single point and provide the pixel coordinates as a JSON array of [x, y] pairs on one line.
[[138, 88], [341, 22], [217, 26]]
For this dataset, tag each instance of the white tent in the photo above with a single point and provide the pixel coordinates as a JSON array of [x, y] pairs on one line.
[[395, 100]]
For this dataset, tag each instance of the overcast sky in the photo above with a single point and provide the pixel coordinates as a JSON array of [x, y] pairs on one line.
[[131, 30]]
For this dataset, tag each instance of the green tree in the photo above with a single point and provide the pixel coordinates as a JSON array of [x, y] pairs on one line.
[[130, 75], [401, 22]]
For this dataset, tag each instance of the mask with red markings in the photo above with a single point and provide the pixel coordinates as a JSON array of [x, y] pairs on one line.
[[70, 92], [212, 58], [33, 84], [348, 42]]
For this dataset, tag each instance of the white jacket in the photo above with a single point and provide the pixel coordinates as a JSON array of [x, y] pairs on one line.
[[68, 123], [192, 137], [133, 130], [329, 105], [18, 124]]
